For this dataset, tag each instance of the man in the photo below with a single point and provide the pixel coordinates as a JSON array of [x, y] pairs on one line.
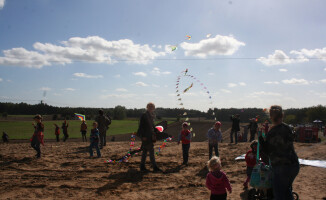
[[235, 127], [253, 129], [103, 125], [214, 136], [148, 137]]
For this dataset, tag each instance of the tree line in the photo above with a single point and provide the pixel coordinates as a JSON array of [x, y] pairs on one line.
[[292, 115]]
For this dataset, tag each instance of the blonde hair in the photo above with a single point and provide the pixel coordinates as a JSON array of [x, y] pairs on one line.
[[214, 164], [275, 113]]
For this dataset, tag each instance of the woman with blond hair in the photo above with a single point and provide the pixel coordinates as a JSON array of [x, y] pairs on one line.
[[278, 146]]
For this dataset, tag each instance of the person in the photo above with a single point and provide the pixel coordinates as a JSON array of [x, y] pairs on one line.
[[216, 180], [5, 137], [65, 130], [57, 132], [83, 130], [38, 136], [94, 141], [148, 137], [278, 146], [185, 137], [214, 136], [250, 161], [235, 127], [253, 129], [266, 126], [103, 123], [245, 133]]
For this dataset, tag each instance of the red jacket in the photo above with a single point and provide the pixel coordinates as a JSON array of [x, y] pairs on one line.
[[251, 158], [185, 137], [217, 182]]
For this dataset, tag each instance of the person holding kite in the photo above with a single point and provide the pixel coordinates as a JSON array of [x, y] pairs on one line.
[[83, 130], [38, 136], [148, 137], [185, 138], [65, 130], [103, 125], [57, 132], [235, 127]]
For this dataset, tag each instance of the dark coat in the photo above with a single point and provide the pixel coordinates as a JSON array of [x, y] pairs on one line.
[[146, 127]]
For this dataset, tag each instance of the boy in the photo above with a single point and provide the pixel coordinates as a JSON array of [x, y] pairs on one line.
[[94, 139], [185, 137], [214, 136]]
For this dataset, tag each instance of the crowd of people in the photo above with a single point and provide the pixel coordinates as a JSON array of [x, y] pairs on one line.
[[276, 146]]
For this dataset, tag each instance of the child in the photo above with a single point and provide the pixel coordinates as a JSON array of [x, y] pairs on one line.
[[94, 139], [250, 161], [5, 137], [38, 136], [57, 132], [216, 180], [83, 130], [65, 130], [214, 136], [185, 137]]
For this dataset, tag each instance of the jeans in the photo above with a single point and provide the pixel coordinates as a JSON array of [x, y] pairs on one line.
[[36, 145], [283, 177], [94, 144], [102, 138], [57, 136], [210, 148], [185, 152], [65, 136], [235, 136], [147, 148], [84, 136]]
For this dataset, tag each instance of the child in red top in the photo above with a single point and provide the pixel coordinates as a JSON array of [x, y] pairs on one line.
[[38, 136], [216, 180], [185, 137], [57, 132], [250, 161]]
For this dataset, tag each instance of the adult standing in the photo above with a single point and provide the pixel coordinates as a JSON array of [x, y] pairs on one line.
[[253, 129], [214, 136], [65, 130], [103, 125], [148, 137], [83, 130], [278, 146], [235, 127]]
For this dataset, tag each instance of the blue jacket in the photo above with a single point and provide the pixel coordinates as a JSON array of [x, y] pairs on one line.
[[94, 137], [214, 136]]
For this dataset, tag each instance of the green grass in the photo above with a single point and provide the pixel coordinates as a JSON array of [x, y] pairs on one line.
[[25, 130]]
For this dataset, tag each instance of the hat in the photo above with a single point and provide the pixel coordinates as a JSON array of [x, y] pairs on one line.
[[37, 117], [185, 124], [219, 124]]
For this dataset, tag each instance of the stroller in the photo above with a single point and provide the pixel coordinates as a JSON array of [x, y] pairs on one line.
[[261, 181]]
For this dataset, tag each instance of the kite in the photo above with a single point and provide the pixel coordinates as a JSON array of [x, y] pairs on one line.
[[184, 91], [81, 117], [188, 37], [208, 35], [173, 48]]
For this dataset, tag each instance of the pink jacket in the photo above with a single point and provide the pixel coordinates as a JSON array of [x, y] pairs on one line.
[[217, 182]]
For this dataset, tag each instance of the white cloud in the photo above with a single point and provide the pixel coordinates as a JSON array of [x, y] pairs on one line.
[[141, 84], [2, 3], [117, 76], [159, 46], [242, 84], [283, 70], [295, 81], [69, 89], [154, 85], [272, 82], [89, 49], [118, 96], [278, 58], [121, 90], [211, 74], [324, 69], [323, 80], [83, 75], [219, 45], [314, 53], [45, 89], [225, 91], [232, 85], [156, 71], [140, 74], [1, 79], [263, 93]]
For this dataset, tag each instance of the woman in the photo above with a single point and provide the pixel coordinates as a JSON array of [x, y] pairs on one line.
[[278, 146]]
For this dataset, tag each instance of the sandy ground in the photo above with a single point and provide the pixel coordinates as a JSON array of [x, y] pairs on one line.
[[66, 171]]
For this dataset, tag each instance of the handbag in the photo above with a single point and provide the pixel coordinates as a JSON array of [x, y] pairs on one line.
[[261, 176]]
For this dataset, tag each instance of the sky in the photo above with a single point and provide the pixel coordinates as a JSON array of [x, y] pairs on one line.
[[240, 54]]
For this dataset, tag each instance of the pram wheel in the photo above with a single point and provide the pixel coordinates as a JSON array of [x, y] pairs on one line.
[[295, 196]]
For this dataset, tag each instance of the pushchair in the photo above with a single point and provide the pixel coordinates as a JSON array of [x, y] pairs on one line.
[[261, 181]]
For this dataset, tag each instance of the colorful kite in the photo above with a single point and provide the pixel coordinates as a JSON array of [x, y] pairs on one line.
[[173, 48], [81, 117], [184, 91], [188, 37]]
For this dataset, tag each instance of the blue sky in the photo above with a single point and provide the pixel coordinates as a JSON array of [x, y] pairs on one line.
[[106, 53]]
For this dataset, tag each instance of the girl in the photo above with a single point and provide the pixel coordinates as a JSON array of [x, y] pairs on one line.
[[216, 180], [250, 161], [57, 132], [38, 136], [185, 137]]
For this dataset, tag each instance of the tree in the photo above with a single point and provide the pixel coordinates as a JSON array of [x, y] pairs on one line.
[[290, 119], [119, 113], [316, 112]]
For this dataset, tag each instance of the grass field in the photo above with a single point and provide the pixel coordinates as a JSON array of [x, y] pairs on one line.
[[24, 129]]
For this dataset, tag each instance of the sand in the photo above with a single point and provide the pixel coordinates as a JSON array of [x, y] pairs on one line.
[[65, 171]]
